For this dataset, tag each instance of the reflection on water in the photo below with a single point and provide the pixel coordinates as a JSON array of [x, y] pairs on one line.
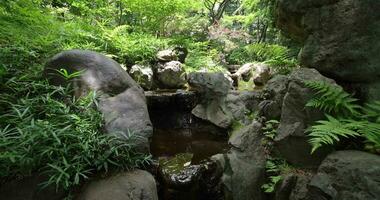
[[202, 145]]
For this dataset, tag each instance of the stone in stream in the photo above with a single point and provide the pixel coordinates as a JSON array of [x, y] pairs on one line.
[[122, 100], [133, 185]]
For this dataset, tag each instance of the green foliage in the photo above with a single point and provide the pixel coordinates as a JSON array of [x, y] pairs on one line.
[[256, 53], [275, 169], [270, 129], [332, 99], [349, 118], [43, 129], [330, 131]]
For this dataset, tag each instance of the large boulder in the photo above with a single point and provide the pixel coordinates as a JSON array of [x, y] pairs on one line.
[[213, 88], [134, 185], [142, 75], [171, 75], [122, 100], [353, 175], [341, 38], [126, 115], [291, 141], [99, 72], [244, 165]]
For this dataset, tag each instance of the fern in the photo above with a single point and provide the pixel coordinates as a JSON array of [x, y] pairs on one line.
[[328, 132], [372, 111], [332, 99]]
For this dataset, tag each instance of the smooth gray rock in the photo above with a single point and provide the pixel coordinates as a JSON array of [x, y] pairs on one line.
[[293, 186], [244, 72], [122, 100], [353, 175], [291, 141], [244, 165], [171, 75], [142, 75], [127, 113], [99, 72], [134, 185]]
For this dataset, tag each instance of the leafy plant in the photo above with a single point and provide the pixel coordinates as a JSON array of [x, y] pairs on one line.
[[332, 99], [348, 119], [65, 74], [275, 168], [270, 129], [45, 130]]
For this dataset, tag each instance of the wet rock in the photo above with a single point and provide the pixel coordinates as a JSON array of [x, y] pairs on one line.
[[184, 180], [167, 55], [171, 75], [213, 88], [127, 113], [262, 74], [122, 100], [134, 185], [353, 175], [142, 75], [341, 37], [244, 166], [29, 188], [291, 141], [178, 173]]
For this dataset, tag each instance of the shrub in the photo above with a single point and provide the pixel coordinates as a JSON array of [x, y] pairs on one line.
[[43, 129]]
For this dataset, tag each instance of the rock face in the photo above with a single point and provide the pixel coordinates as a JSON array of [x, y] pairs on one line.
[[345, 175], [243, 105], [245, 72], [244, 166], [213, 88], [293, 187], [122, 100], [171, 75], [341, 38], [273, 96], [291, 141], [134, 185], [142, 75]]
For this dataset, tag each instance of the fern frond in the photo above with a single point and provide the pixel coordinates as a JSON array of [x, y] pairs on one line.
[[332, 99], [369, 130], [328, 132], [372, 111]]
